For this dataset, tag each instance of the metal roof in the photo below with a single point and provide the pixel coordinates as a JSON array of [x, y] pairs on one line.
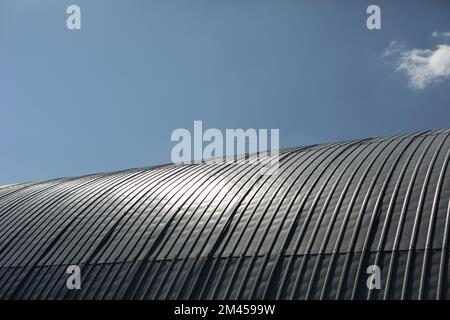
[[224, 231]]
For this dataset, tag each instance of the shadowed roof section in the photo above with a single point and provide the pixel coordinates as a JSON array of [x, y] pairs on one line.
[[224, 231]]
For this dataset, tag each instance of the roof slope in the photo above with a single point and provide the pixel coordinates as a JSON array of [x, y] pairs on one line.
[[215, 231]]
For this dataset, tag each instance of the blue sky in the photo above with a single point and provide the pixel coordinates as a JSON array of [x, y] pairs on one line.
[[108, 96]]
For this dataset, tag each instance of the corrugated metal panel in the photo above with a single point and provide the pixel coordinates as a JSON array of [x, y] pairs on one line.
[[224, 231]]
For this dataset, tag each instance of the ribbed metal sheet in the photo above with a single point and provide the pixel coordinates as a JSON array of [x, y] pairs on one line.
[[224, 231]]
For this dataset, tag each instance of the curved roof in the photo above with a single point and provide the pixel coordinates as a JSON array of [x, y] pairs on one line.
[[224, 231]]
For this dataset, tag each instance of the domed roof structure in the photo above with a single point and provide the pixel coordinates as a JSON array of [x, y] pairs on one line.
[[224, 231]]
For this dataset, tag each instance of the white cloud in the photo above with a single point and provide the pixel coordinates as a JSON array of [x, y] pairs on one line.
[[394, 47], [437, 34], [422, 66], [425, 66]]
